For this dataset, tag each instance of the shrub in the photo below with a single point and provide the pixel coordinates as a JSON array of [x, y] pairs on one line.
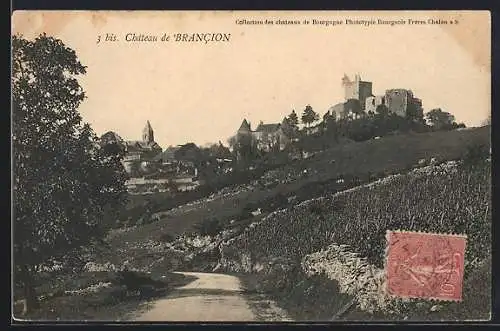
[[209, 227], [475, 154], [134, 281], [276, 202], [167, 237]]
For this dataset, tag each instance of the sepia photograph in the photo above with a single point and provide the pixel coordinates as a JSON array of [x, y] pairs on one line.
[[251, 166]]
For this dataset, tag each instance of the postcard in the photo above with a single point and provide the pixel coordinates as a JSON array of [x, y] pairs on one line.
[[251, 166]]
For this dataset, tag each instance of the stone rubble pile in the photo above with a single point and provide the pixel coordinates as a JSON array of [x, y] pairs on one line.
[[91, 289]]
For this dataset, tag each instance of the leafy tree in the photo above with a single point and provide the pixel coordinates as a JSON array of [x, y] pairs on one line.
[[309, 116], [327, 125], [415, 112], [232, 142], [329, 117], [360, 129], [439, 119], [293, 119], [64, 181], [285, 121], [289, 130], [352, 106], [382, 110]]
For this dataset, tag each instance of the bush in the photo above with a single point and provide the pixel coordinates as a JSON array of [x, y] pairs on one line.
[[475, 154], [209, 227], [276, 202], [134, 281], [167, 237]]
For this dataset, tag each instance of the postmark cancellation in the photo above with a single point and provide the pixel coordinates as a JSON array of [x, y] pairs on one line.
[[425, 265]]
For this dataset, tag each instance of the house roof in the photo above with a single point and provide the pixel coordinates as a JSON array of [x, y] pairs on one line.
[[188, 151], [268, 128], [220, 151], [167, 154], [138, 145], [245, 125]]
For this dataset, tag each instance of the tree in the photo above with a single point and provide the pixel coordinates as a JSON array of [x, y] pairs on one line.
[[415, 112], [309, 116], [329, 117], [328, 122], [456, 125], [382, 110], [64, 181], [293, 119], [352, 106], [439, 119], [232, 142]]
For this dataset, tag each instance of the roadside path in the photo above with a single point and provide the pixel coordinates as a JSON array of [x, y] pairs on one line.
[[211, 297]]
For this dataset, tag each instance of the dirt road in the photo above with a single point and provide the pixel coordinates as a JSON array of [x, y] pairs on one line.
[[211, 297]]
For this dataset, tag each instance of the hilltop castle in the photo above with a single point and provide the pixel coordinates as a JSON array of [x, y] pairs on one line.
[[357, 91]]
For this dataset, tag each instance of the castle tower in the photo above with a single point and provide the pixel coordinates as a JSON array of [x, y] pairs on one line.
[[357, 89], [345, 80], [147, 133]]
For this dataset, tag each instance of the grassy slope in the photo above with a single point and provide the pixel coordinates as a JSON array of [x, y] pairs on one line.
[[386, 155], [455, 203], [445, 203]]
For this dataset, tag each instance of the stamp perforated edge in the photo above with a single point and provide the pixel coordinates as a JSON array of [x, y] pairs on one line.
[[386, 258]]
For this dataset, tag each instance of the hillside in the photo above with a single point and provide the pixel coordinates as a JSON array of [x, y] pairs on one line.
[[323, 203], [354, 162], [342, 237]]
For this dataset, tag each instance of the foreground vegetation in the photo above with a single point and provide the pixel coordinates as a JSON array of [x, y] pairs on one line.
[[453, 198]]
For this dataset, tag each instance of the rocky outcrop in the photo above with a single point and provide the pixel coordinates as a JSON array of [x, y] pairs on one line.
[[354, 275]]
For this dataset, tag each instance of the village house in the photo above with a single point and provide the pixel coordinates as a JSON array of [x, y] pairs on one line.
[[180, 160], [268, 137], [139, 154], [181, 165]]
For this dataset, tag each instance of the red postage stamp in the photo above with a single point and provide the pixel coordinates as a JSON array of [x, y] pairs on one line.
[[425, 265]]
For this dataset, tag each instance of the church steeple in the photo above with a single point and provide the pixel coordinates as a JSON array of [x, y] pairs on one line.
[[147, 133]]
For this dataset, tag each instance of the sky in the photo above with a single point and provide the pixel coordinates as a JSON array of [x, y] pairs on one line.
[[197, 92]]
